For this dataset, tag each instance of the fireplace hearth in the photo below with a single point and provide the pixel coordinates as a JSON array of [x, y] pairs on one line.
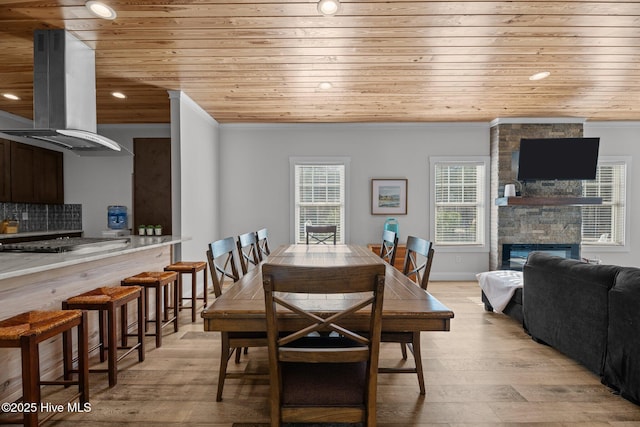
[[514, 255]]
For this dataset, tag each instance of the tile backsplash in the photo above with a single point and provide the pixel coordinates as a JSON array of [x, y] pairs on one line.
[[40, 217]]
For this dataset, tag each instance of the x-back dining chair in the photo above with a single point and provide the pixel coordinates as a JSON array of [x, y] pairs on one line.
[[248, 251], [417, 265], [223, 266], [418, 260], [329, 377], [263, 244], [389, 245], [321, 234], [222, 263]]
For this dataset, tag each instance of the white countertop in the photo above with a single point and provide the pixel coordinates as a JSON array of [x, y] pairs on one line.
[[14, 264]]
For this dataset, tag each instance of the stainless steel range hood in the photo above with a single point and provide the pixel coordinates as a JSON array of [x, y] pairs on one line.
[[64, 97]]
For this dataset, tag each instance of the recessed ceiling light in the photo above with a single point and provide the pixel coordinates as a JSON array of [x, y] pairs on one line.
[[119, 95], [100, 9], [325, 85], [539, 76], [11, 96], [328, 7]]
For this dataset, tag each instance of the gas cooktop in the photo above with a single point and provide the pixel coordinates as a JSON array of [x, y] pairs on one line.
[[67, 244]]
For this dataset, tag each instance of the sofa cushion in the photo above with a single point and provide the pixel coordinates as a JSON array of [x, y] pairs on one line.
[[622, 363], [565, 304]]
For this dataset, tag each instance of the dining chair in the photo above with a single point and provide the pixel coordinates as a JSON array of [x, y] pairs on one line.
[[223, 267], [321, 234], [417, 265], [320, 378], [389, 245], [248, 251], [418, 260], [263, 244]]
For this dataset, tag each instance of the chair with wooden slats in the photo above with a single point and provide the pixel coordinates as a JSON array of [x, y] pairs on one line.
[[222, 265], [388, 246], [223, 268], [418, 260], [417, 265], [263, 244], [321, 234], [248, 251], [323, 371]]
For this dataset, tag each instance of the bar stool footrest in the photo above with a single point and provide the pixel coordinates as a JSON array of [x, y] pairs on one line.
[[61, 382]]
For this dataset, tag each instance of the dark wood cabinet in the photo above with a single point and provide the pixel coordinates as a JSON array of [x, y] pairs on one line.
[[35, 174], [50, 177], [5, 170], [152, 183], [23, 170]]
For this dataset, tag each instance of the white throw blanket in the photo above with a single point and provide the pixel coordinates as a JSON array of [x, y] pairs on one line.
[[499, 286]]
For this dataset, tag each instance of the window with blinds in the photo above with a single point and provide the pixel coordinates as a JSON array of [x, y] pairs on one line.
[[459, 202], [605, 224], [319, 198]]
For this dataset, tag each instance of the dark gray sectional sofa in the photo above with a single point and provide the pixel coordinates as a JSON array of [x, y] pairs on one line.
[[589, 312], [513, 309]]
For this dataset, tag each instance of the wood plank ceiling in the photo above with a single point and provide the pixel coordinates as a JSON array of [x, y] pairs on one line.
[[387, 61]]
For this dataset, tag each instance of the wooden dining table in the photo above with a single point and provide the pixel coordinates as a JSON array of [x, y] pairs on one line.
[[406, 306]]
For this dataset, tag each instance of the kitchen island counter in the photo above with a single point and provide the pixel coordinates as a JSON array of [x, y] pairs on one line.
[[41, 281], [15, 264]]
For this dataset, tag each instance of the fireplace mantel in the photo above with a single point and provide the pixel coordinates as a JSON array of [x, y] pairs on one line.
[[548, 201]]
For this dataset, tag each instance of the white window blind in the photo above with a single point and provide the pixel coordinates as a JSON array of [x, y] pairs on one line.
[[319, 198], [605, 224], [459, 203]]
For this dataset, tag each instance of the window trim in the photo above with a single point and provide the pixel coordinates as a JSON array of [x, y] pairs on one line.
[[293, 161], [474, 247], [594, 247]]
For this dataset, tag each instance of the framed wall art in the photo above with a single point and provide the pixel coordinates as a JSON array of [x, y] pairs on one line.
[[388, 196]]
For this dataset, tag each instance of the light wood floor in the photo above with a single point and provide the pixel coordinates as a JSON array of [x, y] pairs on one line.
[[485, 372]]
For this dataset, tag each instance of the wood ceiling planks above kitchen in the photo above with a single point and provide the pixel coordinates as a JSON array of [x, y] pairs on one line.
[[389, 61]]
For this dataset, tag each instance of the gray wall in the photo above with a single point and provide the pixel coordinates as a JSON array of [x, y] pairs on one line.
[[262, 199], [252, 177], [620, 139], [195, 177], [97, 182]]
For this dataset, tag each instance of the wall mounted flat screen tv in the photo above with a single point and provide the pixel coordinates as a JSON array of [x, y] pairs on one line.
[[558, 159]]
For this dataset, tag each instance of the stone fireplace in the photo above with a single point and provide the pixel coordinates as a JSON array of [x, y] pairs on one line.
[[530, 224]]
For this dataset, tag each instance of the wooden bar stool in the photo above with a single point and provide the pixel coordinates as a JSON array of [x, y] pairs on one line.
[[190, 267], [25, 331], [161, 281], [108, 300]]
